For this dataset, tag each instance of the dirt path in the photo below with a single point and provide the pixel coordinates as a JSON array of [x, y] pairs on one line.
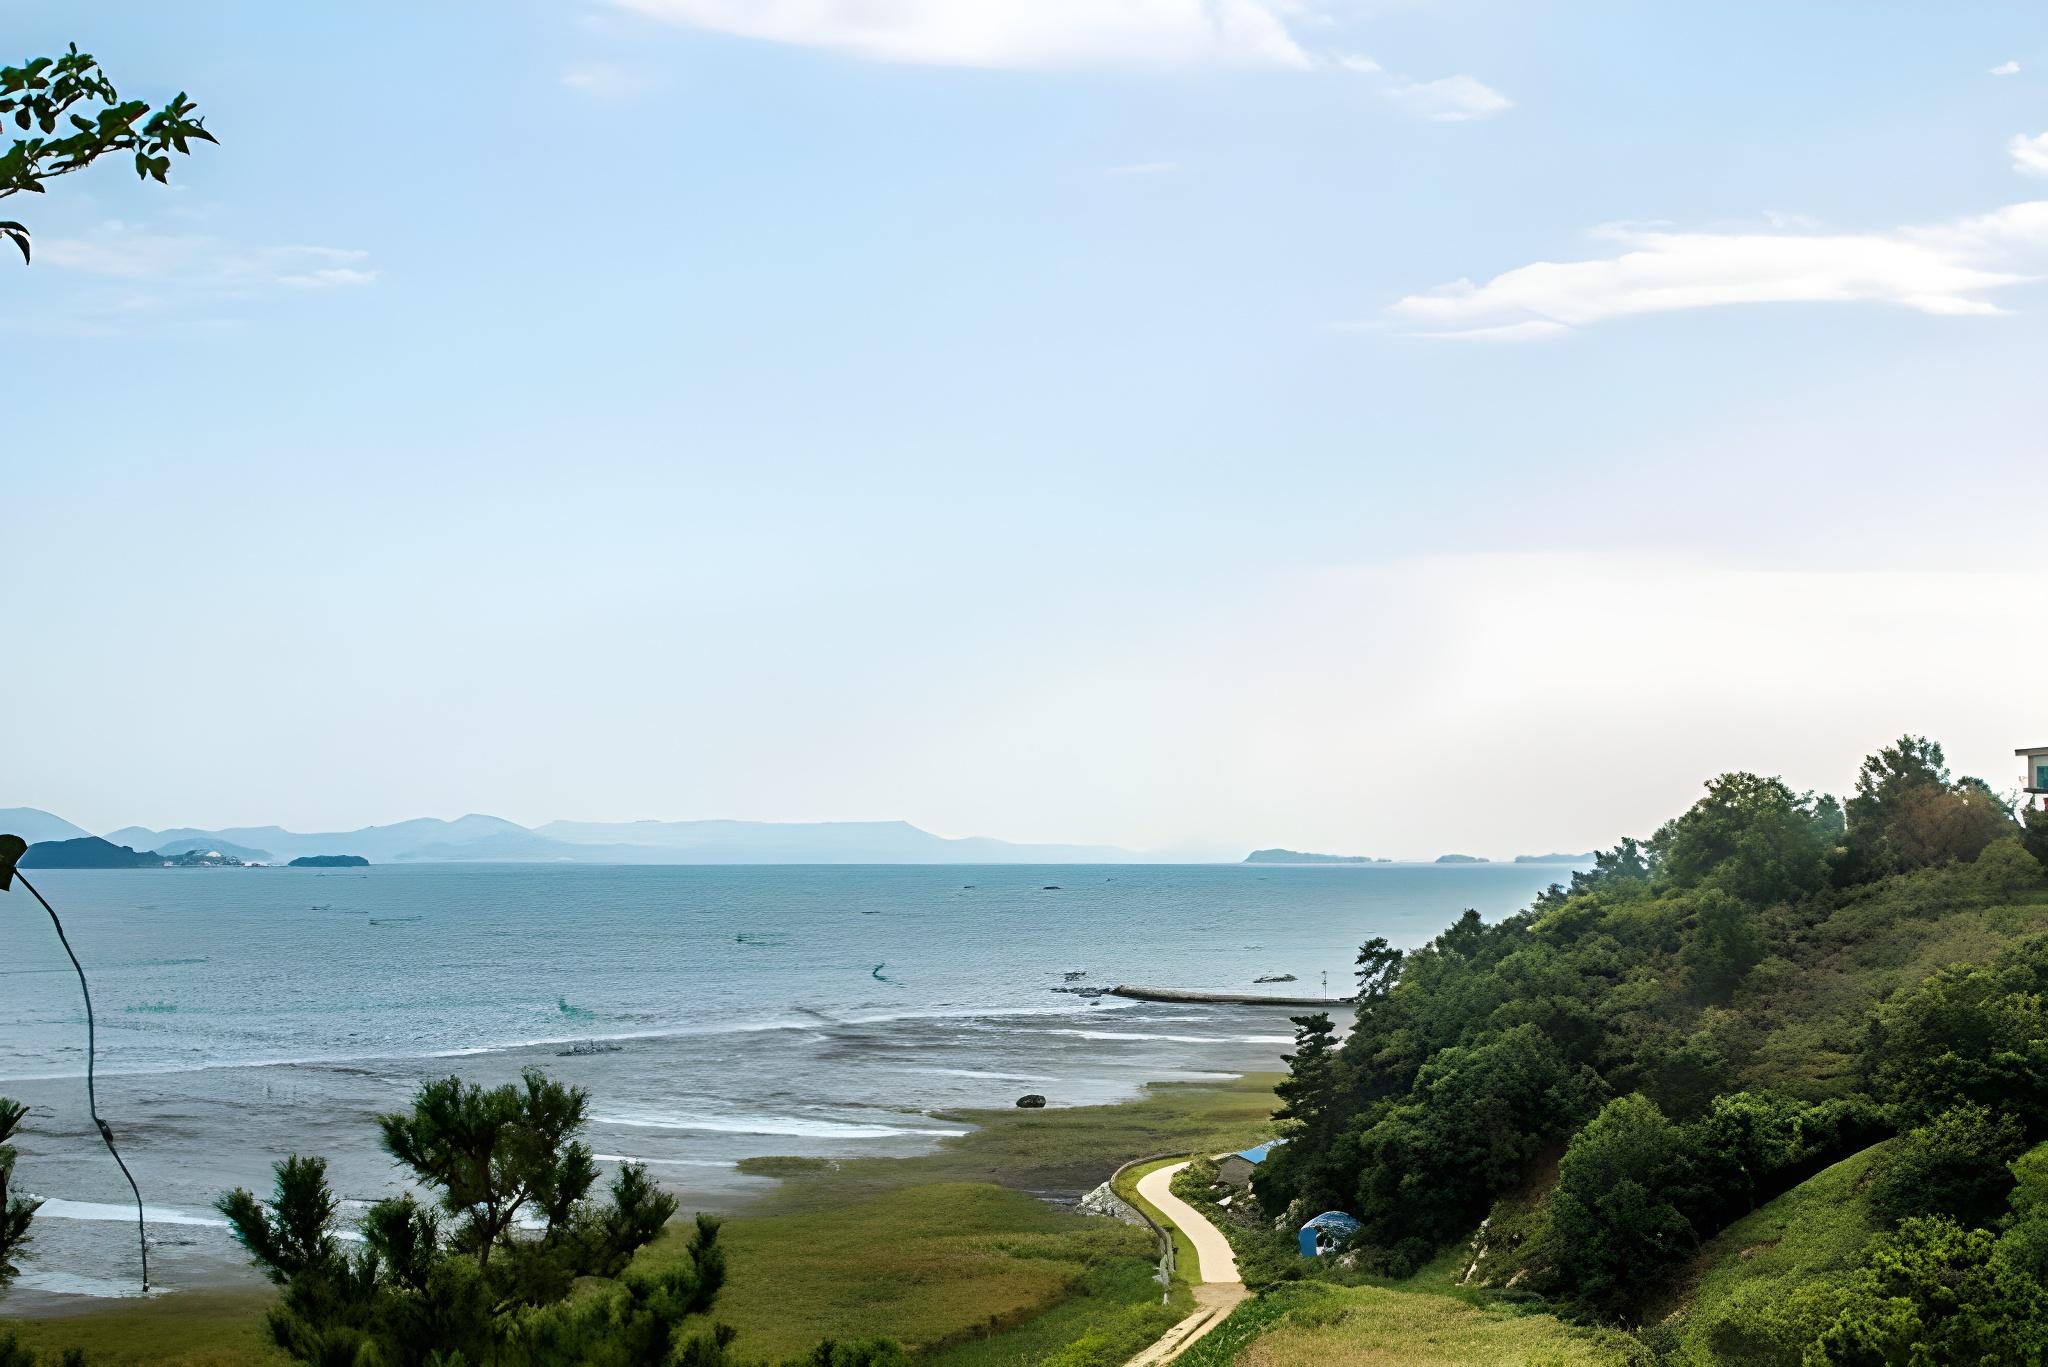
[[1218, 1289]]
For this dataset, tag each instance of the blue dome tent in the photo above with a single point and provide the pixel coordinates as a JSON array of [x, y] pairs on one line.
[[1327, 1233]]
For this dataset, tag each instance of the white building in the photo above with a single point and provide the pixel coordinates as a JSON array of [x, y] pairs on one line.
[[2036, 780]]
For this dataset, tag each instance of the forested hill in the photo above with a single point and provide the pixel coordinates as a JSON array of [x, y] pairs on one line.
[[1773, 981]]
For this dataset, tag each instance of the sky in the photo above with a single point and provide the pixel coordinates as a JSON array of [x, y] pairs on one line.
[[1379, 428]]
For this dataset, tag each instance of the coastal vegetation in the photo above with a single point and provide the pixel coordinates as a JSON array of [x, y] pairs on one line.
[[955, 1253], [512, 1264], [1775, 989], [16, 1211]]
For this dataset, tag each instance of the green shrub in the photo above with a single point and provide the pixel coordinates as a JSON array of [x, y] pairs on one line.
[[1935, 1293], [1955, 1165]]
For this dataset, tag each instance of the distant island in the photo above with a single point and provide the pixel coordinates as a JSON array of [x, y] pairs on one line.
[[1554, 858], [1462, 859], [88, 852], [91, 852], [1304, 857], [329, 861]]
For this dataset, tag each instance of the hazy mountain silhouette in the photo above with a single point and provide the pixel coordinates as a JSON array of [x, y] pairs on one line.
[[37, 826], [489, 838]]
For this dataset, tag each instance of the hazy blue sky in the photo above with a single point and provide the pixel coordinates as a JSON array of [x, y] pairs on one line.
[[1374, 427]]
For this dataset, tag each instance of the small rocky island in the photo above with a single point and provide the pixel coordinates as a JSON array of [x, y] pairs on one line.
[[329, 861], [1304, 857]]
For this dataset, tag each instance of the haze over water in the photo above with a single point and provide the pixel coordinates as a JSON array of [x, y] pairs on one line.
[[726, 1011]]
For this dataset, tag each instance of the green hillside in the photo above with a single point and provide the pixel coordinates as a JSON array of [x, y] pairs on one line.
[[1761, 1087]]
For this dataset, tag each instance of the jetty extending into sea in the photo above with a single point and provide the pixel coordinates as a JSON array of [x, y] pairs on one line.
[[1179, 994]]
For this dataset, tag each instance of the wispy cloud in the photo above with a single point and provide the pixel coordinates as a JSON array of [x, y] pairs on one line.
[[1951, 269], [608, 80], [2029, 154], [328, 277], [1009, 33], [133, 278], [2006, 69], [1454, 99], [1142, 168], [1449, 99], [124, 251]]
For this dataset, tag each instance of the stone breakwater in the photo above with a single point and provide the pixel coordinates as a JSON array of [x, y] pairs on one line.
[[1176, 994]]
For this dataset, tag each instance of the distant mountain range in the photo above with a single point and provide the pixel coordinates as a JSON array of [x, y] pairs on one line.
[[492, 839]]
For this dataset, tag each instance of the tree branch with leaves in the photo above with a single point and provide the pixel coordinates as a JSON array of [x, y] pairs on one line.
[[72, 93]]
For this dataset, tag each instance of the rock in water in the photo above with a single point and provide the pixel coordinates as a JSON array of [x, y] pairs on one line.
[[1031, 1101]]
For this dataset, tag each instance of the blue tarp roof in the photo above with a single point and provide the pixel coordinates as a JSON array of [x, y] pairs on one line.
[[1258, 1155]]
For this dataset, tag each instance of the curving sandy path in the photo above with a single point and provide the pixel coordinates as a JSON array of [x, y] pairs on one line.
[[1219, 1289], [1219, 1264]]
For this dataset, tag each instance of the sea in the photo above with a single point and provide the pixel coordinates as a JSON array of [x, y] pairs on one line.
[[713, 1013]]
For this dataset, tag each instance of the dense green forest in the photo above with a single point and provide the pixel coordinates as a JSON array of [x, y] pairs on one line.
[[1773, 982]]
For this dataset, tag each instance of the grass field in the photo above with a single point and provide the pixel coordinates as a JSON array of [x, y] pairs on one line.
[[978, 1272], [192, 1328], [951, 1249], [1373, 1326]]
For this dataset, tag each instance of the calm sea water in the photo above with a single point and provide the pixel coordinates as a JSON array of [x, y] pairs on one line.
[[718, 1012]]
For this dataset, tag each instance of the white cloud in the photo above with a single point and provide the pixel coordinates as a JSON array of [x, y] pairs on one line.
[[1142, 168], [1009, 33], [1450, 99], [607, 80], [2029, 155], [2006, 69], [1950, 268]]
